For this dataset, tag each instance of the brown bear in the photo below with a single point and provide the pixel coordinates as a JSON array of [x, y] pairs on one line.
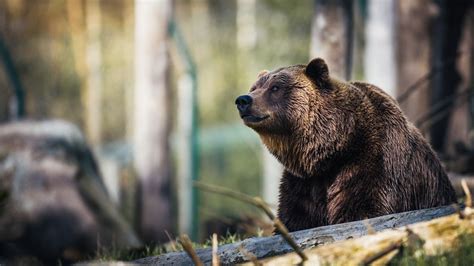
[[349, 152]]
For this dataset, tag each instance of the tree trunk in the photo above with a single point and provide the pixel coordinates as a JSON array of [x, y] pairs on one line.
[[152, 118], [128, 24], [431, 237], [447, 31], [93, 92], [471, 79], [184, 171], [413, 57], [380, 66], [460, 120], [331, 37], [17, 98], [246, 24]]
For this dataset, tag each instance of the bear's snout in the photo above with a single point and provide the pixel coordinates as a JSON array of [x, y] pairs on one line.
[[243, 102]]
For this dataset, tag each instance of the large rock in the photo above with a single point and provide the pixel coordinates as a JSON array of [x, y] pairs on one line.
[[53, 203]]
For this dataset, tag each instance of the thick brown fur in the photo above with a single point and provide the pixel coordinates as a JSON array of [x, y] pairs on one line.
[[349, 152]]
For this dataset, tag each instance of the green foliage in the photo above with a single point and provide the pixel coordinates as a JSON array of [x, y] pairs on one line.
[[222, 240], [116, 254], [463, 254]]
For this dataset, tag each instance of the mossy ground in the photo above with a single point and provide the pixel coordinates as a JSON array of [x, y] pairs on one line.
[[463, 254]]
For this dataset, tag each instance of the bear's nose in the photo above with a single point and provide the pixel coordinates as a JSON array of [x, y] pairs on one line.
[[243, 102]]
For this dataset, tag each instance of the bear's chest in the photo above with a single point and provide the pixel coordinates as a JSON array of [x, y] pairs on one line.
[[308, 203]]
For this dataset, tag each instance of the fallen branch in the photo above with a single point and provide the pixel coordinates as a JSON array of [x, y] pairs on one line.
[[263, 247], [435, 236], [286, 235]]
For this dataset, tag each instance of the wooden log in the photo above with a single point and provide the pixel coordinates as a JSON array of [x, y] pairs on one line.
[[433, 237], [263, 247]]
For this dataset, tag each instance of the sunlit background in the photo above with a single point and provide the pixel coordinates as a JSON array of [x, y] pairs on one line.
[[151, 84]]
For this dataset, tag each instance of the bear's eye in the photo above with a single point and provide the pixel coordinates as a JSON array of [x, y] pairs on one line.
[[274, 88]]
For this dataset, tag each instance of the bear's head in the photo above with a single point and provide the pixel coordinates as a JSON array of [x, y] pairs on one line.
[[297, 112]]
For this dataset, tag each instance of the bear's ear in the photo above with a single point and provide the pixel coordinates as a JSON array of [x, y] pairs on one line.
[[262, 73], [318, 72]]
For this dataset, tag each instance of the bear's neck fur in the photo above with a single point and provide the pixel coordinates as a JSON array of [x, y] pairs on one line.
[[327, 139]]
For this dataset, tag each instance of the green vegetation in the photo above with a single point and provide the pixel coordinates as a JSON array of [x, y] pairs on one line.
[[463, 254], [116, 254]]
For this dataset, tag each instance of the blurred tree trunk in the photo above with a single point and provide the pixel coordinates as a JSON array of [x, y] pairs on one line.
[[413, 57], [12, 104], [471, 79], [152, 118], [16, 103], [128, 24], [331, 37], [75, 16], [4, 94], [246, 24], [380, 65], [458, 136], [93, 91], [85, 30], [359, 10], [447, 30], [185, 154]]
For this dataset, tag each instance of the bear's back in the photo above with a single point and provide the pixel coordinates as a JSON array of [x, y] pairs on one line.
[[409, 161]]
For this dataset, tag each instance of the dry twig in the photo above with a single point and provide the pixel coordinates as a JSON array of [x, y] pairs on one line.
[[281, 228], [172, 241], [394, 246], [467, 192], [215, 256], [370, 229], [188, 247]]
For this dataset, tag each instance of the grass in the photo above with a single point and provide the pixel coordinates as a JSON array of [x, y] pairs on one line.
[[115, 254], [463, 254]]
